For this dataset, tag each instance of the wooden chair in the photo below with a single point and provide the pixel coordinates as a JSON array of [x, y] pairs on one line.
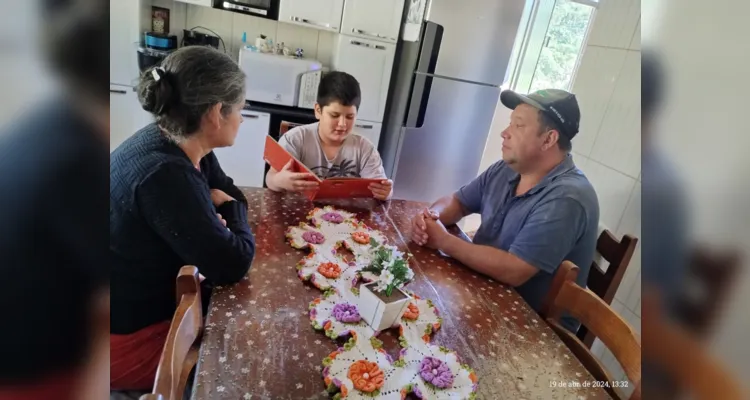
[[708, 281], [183, 342], [286, 126], [683, 358], [605, 284], [566, 296]]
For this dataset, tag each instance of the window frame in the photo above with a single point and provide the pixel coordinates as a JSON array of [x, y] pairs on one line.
[[535, 21]]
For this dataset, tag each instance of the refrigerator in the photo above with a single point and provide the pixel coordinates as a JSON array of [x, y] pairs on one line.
[[443, 95]]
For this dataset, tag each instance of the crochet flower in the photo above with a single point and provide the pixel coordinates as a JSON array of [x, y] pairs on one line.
[[366, 376], [333, 217], [412, 312], [436, 372], [346, 313], [313, 237], [361, 237], [329, 270]]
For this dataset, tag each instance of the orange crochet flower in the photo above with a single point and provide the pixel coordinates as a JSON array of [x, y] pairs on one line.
[[412, 312], [361, 237], [329, 270], [366, 376]]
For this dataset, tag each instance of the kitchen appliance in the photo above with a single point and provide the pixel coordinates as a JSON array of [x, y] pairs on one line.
[[443, 96], [276, 79], [258, 8], [154, 48], [193, 38]]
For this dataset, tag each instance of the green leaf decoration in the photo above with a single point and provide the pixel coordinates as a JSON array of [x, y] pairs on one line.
[[327, 362], [376, 343]]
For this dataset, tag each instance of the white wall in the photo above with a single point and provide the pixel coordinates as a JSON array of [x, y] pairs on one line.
[[230, 26]]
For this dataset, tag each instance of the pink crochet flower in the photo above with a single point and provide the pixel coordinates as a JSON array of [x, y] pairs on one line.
[[346, 313], [333, 217], [436, 372], [313, 237]]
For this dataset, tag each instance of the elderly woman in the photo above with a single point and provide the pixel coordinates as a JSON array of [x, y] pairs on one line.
[[172, 205]]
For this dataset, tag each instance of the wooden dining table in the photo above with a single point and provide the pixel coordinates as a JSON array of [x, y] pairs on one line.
[[258, 341]]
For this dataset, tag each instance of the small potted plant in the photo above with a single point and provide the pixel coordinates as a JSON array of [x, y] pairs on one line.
[[382, 302]]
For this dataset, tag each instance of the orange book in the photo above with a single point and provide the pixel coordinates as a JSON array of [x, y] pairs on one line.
[[330, 188]]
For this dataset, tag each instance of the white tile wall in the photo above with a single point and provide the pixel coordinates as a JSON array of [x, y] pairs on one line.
[[614, 23], [635, 43], [613, 188], [230, 26], [618, 142], [594, 85]]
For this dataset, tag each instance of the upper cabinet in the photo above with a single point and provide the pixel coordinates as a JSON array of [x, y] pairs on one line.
[[317, 14], [369, 19], [371, 63], [205, 3]]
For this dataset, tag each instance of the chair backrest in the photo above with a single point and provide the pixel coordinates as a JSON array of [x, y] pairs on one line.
[[682, 356], [566, 296], [286, 126], [605, 284], [181, 348], [708, 282]]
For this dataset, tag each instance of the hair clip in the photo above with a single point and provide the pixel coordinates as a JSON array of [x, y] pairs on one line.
[[157, 73]]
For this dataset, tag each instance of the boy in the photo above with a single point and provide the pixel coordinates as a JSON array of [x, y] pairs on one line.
[[327, 147]]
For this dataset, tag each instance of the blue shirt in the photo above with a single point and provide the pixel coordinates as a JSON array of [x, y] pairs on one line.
[[556, 220]]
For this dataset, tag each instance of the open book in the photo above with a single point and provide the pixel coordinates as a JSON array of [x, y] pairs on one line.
[[329, 188]]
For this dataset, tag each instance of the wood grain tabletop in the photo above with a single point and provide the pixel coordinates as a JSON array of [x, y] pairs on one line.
[[259, 342]]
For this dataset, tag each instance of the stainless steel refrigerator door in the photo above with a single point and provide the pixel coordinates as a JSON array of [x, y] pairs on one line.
[[477, 39], [444, 153]]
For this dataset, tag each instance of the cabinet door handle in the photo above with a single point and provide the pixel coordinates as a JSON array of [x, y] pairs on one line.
[[371, 34], [118, 91], [364, 126], [309, 22], [252, 116], [358, 43]]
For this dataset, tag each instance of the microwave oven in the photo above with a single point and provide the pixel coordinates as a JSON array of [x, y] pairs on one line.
[[280, 80], [258, 8]]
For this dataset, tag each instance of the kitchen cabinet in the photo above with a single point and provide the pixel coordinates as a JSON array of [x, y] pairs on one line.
[[205, 3], [126, 116], [368, 129], [377, 20], [243, 161], [371, 62], [317, 14]]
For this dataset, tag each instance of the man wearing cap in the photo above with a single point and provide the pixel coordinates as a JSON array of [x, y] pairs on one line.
[[537, 208]]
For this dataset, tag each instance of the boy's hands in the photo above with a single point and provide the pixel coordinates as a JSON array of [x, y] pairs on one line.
[[382, 190], [292, 181]]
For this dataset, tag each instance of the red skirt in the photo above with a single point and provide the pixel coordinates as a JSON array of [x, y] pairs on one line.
[[60, 386], [134, 358]]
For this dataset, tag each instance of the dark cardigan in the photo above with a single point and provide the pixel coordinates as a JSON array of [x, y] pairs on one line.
[[161, 218]]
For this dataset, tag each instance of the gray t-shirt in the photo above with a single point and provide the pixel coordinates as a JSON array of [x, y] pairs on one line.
[[357, 157]]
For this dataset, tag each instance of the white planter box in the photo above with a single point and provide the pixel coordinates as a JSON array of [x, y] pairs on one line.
[[376, 312]]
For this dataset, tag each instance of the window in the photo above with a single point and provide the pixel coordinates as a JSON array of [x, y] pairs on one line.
[[551, 40]]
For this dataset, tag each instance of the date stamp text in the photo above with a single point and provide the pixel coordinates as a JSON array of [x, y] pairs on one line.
[[589, 384]]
